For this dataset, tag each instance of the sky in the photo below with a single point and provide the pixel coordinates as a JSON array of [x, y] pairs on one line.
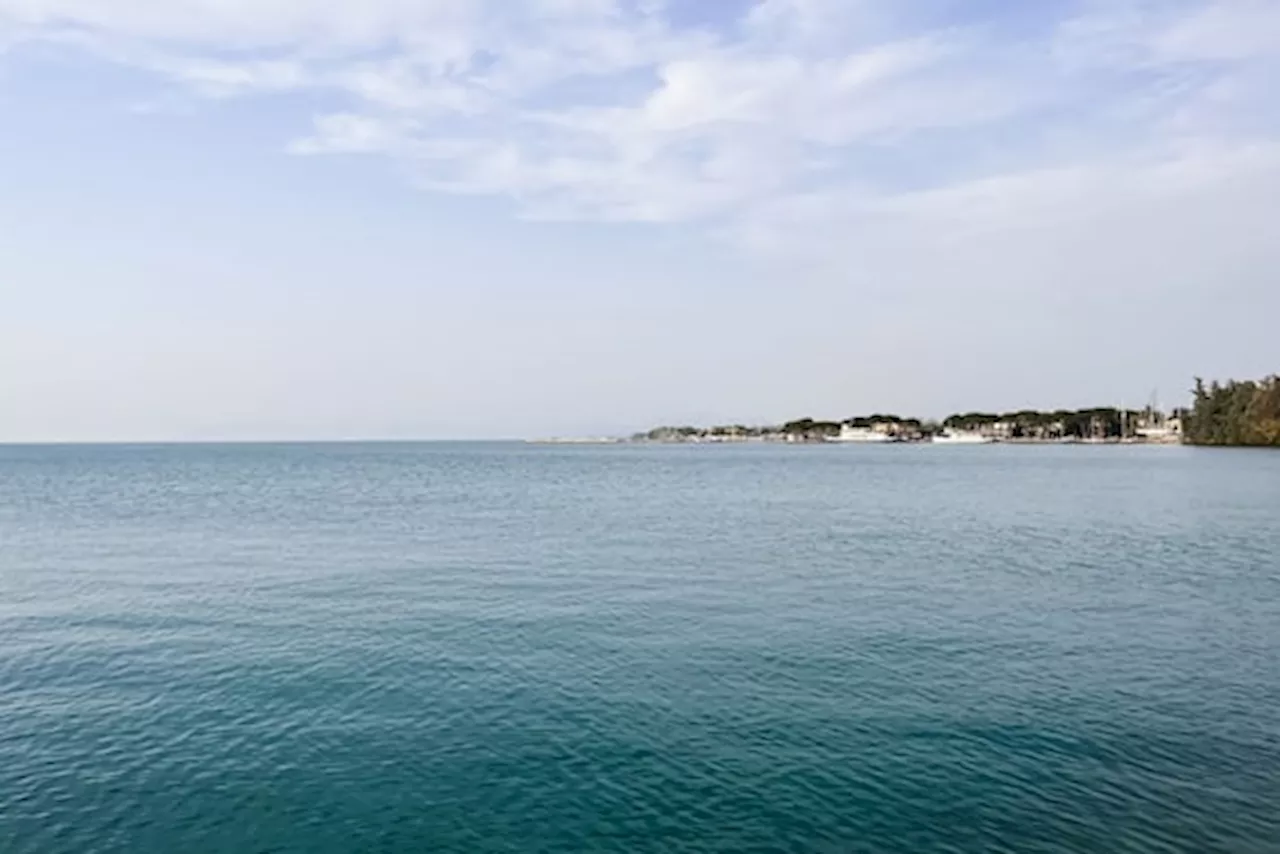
[[402, 219]]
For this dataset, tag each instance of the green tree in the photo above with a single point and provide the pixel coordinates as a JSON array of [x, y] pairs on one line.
[[1235, 413]]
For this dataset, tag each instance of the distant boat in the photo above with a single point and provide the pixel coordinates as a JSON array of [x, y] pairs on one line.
[[961, 437], [860, 435]]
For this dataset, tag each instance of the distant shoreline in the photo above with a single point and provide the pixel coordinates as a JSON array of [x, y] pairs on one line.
[[580, 442], [1097, 425]]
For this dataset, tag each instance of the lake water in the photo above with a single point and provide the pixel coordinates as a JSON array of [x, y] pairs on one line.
[[490, 648]]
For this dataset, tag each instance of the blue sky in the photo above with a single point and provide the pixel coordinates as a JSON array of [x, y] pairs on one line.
[[223, 219]]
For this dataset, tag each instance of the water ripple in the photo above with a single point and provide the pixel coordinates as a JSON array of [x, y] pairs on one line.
[[381, 648]]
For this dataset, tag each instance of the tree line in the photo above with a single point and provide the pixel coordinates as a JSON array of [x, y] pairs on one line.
[[1235, 413], [1098, 422]]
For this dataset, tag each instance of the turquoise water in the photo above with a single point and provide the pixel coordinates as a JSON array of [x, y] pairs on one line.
[[474, 648]]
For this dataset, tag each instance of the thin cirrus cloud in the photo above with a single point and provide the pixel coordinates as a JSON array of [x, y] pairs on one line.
[[621, 111]]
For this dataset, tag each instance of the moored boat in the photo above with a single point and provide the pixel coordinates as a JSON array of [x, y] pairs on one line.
[[961, 437]]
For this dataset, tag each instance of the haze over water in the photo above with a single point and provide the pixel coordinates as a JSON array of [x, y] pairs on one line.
[[469, 648]]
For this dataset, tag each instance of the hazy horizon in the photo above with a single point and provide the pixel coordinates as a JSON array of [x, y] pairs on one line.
[[459, 219]]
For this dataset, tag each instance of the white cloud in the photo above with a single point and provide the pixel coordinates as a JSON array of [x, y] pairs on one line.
[[605, 109], [1226, 30]]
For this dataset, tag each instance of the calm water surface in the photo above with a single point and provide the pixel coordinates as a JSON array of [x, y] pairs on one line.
[[454, 648]]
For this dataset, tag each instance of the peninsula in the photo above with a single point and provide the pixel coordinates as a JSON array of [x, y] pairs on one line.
[[1234, 413], [1100, 424]]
